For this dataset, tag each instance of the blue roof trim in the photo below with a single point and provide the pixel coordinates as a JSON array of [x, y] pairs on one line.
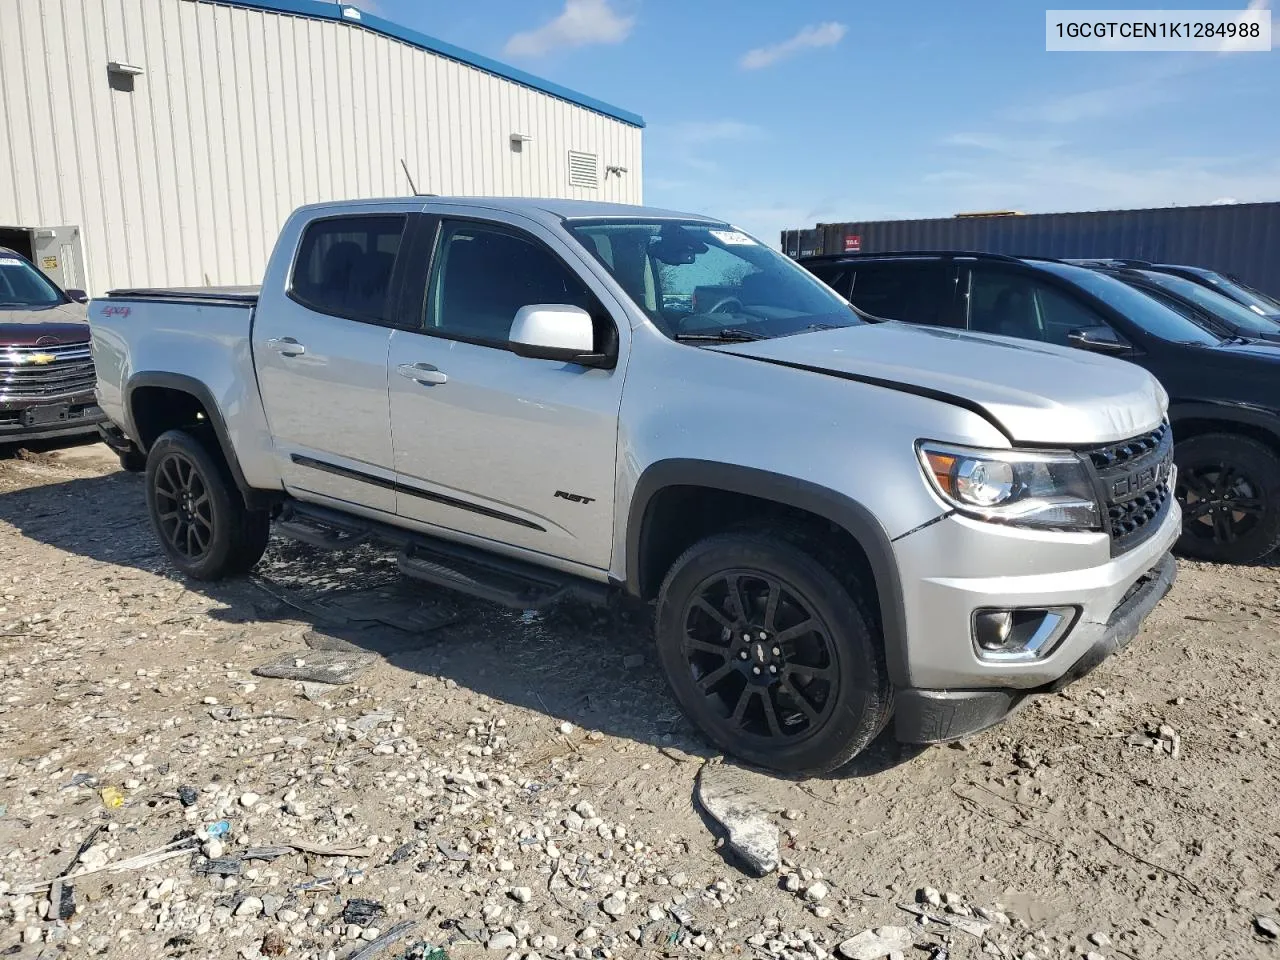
[[324, 10]]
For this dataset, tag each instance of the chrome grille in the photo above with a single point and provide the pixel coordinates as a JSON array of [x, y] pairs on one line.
[[45, 373], [1134, 479]]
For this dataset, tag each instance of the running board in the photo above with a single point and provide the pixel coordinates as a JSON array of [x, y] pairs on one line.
[[470, 570]]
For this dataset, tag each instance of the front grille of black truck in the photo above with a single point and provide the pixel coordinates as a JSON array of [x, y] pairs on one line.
[[45, 373], [1134, 482]]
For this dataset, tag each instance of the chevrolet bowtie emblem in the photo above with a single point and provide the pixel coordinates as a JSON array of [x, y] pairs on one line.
[[40, 359]]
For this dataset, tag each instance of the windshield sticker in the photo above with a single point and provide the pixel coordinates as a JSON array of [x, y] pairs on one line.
[[10, 262], [732, 238]]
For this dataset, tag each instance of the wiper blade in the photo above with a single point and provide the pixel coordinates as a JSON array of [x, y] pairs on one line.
[[728, 335]]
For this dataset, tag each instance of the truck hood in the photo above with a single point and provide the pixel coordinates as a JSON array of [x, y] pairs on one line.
[[1036, 393], [65, 323]]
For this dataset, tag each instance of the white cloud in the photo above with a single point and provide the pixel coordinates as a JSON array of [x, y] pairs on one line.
[[581, 23], [822, 35]]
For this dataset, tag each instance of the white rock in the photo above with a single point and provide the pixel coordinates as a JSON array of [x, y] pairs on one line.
[[213, 848], [249, 799], [816, 891], [566, 728], [877, 943], [503, 940], [615, 905], [249, 907], [521, 894], [791, 883], [1099, 939]]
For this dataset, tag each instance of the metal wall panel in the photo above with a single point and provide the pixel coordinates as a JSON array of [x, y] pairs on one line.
[[1242, 238], [241, 115]]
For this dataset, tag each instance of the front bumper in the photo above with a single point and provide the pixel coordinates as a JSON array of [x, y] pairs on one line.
[[936, 716], [26, 420]]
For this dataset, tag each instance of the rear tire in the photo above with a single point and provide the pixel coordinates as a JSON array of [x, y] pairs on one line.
[[197, 512], [1229, 488], [791, 676]]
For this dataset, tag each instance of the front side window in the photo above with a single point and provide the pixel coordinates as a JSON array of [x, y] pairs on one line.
[[484, 274], [344, 266], [1018, 305], [23, 286], [693, 278]]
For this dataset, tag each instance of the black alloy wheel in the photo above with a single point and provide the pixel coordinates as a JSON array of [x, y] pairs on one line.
[[769, 645], [198, 513], [184, 510], [762, 657], [1229, 489]]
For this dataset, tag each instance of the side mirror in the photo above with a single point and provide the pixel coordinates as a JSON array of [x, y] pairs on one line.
[[1098, 339], [557, 331], [78, 296]]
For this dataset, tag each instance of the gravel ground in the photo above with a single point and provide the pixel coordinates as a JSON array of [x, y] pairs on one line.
[[492, 784]]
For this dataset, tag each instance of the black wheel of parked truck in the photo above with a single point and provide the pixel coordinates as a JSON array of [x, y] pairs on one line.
[[771, 651], [197, 512], [1229, 488]]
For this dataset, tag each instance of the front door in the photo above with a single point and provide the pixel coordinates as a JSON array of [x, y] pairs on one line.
[[321, 356], [493, 445]]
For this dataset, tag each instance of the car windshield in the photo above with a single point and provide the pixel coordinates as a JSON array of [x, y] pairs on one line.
[[22, 285], [1152, 317], [709, 281], [1239, 317], [1255, 300]]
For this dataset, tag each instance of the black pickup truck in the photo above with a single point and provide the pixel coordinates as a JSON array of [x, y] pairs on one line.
[[46, 372]]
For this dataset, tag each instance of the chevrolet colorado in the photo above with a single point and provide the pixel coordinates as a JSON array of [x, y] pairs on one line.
[[841, 523]]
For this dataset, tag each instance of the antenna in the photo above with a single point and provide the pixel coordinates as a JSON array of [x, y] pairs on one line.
[[409, 177]]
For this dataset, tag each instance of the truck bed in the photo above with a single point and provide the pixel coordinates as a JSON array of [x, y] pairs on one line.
[[237, 296]]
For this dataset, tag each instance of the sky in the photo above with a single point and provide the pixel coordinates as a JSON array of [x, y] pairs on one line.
[[779, 115]]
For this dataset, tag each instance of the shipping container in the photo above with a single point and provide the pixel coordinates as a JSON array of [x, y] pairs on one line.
[[1242, 239]]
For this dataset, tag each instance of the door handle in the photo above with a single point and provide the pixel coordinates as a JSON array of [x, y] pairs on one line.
[[423, 373], [287, 346]]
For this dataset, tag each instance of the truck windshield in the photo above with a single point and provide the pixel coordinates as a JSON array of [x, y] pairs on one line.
[[1239, 317], [1138, 308], [22, 285], [708, 281]]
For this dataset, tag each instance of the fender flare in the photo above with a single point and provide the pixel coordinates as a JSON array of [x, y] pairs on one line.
[[844, 512], [1260, 418], [190, 385]]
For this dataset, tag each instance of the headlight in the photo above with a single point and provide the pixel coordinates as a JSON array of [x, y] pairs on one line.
[[1050, 490]]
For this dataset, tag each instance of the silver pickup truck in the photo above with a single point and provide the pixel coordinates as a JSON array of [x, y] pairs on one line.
[[841, 523]]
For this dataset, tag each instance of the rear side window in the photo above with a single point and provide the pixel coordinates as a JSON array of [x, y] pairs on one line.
[[914, 291], [344, 266], [483, 275], [837, 276]]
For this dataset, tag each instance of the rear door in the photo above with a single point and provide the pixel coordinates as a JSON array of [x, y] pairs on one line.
[[510, 449], [321, 357]]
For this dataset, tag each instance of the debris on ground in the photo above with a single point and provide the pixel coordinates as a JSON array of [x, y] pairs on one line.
[[317, 666], [751, 834]]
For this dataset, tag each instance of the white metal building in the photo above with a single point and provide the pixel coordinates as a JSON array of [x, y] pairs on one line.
[[163, 142]]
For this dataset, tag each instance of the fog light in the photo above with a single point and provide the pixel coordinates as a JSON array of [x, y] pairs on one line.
[[1020, 634]]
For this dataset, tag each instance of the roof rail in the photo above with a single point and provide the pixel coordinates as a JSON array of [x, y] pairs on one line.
[[966, 254], [1108, 262]]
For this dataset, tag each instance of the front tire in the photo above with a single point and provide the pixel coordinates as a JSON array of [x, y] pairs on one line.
[[771, 653], [197, 512], [1229, 488]]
